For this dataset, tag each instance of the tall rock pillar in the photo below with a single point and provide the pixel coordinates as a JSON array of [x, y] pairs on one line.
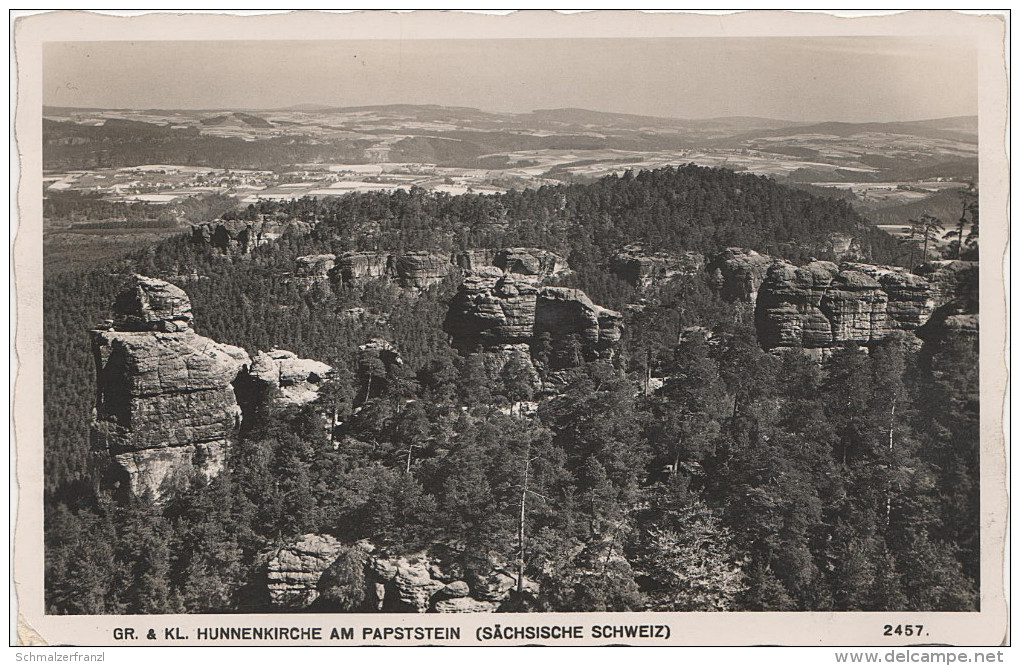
[[165, 403]]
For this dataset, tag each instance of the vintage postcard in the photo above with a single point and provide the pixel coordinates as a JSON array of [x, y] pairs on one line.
[[457, 329]]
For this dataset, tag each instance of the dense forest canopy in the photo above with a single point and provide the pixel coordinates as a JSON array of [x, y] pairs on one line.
[[687, 208], [748, 481]]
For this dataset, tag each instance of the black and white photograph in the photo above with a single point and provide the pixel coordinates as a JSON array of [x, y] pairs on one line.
[[380, 324]]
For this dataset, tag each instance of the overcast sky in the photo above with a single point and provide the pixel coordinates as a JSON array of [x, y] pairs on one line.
[[848, 79]]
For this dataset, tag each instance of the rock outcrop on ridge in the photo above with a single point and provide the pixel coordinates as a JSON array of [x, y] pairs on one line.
[[413, 583], [738, 274], [420, 269], [644, 269], [822, 305], [165, 402], [294, 381], [293, 571], [410, 270], [240, 237], [530, 262], [492, 310]]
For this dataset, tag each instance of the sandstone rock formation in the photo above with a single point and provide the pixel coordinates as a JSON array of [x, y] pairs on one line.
[[821, 305], [818, 305], [240, 237], [413, 583], [296, 379], [377, 348], [314, 265], [505, 357], [954, 286], [406, 583], [149, 304], [410, 270], [419, 270], [465, 605], [530, 262], [492, 311], [376, 360], [165, 402], [474, 260], [293, 571], [422, 583], [946, 329], [643, 269], [561, 312], [313, 271], [953, 283], [844, 247], [738, 273], [911, 298], [356, 267]]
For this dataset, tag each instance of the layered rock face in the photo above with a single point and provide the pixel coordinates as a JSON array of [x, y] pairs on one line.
[[738, 273], [531, 262], [821, 305], [644, 269], [149, 304], [314, 265], [911, 298], [421, 583], [818, 306], [293, 572], [165, 400], [953, 283], [313, 271], [474, 260], [411, 270], [561, 312], [419, 270], [844, 247], [356, 267], [296, 379], [239, 237], [415, 583], [954, 287], [494, 310]]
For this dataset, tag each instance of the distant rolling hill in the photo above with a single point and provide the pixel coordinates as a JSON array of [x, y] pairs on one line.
[[237, 118], [952, 129]]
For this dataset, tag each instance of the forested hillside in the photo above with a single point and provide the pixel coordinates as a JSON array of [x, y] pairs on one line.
[[745, 481]]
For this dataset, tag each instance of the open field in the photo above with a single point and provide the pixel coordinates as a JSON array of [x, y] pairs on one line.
[[173, 157]]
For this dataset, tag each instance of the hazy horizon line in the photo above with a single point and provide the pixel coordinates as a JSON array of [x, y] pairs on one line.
[[324, 107]]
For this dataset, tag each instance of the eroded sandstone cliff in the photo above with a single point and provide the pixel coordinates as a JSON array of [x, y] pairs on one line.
[[493, 309], [822, 305], [643, 268], [738, 274], [414, 583], [410, 270], [530, 262], [165, 403], [241, 237], [293, 381]]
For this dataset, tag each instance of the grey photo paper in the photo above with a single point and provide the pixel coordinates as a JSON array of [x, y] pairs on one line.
[[447, 328]]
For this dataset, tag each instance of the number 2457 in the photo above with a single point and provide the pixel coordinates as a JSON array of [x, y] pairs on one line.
[[904, 630]]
